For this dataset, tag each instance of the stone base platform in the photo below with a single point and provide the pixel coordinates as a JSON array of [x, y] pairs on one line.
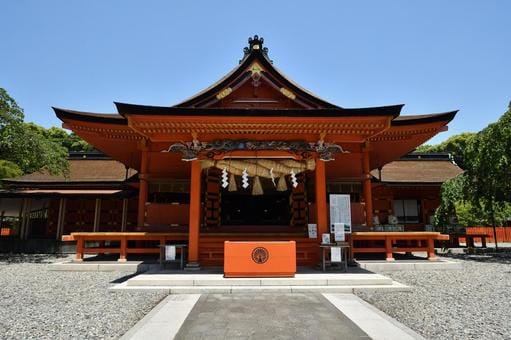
[[216, 283], [408, 265], [103, 266]]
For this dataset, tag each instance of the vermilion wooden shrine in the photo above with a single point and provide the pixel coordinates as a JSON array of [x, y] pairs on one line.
[[254, 124]]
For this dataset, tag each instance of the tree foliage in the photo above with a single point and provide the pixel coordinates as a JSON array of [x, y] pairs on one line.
[[10, 112], [455, 145], [68, 140], [27, 147], [9, 169], [482, 194]]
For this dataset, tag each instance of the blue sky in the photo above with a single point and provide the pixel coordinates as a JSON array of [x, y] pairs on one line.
[[433, 56]]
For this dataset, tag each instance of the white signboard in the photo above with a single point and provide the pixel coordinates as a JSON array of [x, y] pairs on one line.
[[325, 238], [339, 232], [335, 255], [170, 253], [340, 212], [313, 230]]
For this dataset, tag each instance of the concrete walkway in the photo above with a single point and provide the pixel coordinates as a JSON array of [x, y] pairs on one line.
[[165, 320], [268, 316]]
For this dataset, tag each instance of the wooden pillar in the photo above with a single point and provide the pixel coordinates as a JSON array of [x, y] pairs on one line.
[[97, 214], [195, 212], [124, 250], [321, 205], [431, 250], [143, 188], [61, 218], [22, 217], [25, 219], [124, 217], [368, 196], [80, 244], [388, 248]]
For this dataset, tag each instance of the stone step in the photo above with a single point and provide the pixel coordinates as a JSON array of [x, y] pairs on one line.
[[395, 286], [211, 280]]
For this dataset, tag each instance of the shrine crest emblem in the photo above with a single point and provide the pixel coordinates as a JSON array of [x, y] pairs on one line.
[[260, 255]]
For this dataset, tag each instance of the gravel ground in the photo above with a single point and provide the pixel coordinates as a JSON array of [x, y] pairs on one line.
[[473, 303], [39, 304]]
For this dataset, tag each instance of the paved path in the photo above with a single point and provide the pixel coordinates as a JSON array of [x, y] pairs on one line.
[[267, 316]]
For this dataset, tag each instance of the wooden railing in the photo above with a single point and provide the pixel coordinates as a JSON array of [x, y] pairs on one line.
[[503, 233]]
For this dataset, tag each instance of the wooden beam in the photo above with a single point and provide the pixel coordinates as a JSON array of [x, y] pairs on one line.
[[25, 221], [124, 218], [61, 218], [143, 187], [97, 214], [366, 182]]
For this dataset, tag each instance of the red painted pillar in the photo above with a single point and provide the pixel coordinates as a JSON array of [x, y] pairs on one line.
[[368, 196], [321, 204], [143, 188], [431, 250], [195, 214], [388, 248], [80, 244], [124, 249]]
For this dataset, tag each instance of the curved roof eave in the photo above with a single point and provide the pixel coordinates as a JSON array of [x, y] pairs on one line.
[[109, 118], [126, 109], [422, 119]]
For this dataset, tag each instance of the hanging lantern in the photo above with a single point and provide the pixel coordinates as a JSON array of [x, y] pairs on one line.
[[257, 188], [244, 179], [281, 185], [232, 183]]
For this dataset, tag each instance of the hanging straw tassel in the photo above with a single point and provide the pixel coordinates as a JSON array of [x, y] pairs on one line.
[[282, 186], [232, 183], [257, 187]]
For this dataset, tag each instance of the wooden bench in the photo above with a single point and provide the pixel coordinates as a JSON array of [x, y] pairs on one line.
[[415, 241], [123, 250]]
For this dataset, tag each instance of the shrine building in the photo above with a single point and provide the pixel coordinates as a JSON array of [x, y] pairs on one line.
[[252, 157]]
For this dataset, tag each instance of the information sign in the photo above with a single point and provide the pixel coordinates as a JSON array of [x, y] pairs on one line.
[[340, 212], [313, 230], [335, 255]]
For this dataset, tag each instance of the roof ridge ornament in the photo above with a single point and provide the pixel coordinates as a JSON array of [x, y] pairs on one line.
[[255, 44]]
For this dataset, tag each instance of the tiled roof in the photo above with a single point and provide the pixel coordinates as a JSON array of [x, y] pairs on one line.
[[418, 171], [81, 170]]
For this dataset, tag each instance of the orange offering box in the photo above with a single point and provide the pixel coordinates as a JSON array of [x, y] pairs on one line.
[[260, 259]]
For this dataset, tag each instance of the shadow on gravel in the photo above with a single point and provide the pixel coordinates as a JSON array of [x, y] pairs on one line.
[[124, 278], [30, 258], [489, 257]]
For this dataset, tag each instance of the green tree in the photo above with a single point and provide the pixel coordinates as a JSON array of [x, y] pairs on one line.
[[9, 169], [68, 140], [488, 172], [10, 112], [451, 192], [455, 145], [482, 194], [26, 144]]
